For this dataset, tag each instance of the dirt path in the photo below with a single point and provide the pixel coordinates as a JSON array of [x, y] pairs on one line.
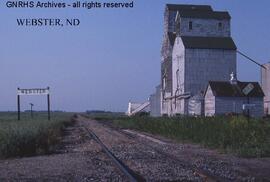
[[80, 158]]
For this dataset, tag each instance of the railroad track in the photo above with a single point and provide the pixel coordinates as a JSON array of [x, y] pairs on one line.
[[130, 174], [133, 176], [203, 174], [208, 177]]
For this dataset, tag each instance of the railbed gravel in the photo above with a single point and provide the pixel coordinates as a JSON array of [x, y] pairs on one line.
[[142, 159], [216, 166]]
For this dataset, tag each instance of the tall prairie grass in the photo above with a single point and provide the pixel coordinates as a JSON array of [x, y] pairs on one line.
[[247, 138], [30, 136]]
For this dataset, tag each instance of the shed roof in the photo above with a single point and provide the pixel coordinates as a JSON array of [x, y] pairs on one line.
[[209, 42], [226, 89]]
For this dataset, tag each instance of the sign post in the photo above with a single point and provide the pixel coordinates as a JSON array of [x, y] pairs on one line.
[[31, 109], [246, 91], [19, 106], [49, 105], [35, 91]]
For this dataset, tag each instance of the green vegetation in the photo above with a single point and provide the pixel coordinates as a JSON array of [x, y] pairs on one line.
[[30, 136], [105, 116], [229, 134]]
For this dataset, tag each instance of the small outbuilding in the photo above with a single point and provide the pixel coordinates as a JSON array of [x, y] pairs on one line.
[[234, 97], [196, 105]]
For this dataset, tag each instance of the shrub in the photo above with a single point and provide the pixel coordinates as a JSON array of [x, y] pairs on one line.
[[231, 133], [29, 136]]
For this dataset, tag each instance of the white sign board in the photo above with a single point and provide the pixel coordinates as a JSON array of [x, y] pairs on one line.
[[248, 88], [36, 91]]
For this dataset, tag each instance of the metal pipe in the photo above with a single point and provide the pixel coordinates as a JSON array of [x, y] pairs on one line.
[[242, 54], [187, 94]]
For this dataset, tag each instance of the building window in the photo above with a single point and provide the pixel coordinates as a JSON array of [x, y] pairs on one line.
[[190, 25], [220, 26]]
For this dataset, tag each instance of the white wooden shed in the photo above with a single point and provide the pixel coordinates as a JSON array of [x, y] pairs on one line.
[[229, 97]]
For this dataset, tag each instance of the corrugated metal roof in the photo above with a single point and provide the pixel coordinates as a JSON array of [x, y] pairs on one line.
[[226, 89], [209, 43]]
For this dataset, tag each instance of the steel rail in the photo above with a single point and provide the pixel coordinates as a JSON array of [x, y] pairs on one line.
[[208, 177], [202, 173], [132, 176]]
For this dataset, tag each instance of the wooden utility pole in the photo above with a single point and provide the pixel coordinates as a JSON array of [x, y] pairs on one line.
[[49, 105]]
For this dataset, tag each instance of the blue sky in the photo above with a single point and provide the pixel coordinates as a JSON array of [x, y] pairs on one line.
[[112, 57]]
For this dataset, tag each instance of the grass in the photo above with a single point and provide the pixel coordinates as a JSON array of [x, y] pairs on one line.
[[106, 116], [30, 136], [229, 134]]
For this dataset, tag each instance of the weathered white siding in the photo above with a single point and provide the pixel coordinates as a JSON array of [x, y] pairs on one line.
[[205, 27], [179, 107], [204, 65], [178, 64], [209, 103], [178, 71], [266, 87], [258, 110], [196, 106], [197, 67], [189, 70], [155, 103], [225, 105], [167, 107], [166, 61]]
